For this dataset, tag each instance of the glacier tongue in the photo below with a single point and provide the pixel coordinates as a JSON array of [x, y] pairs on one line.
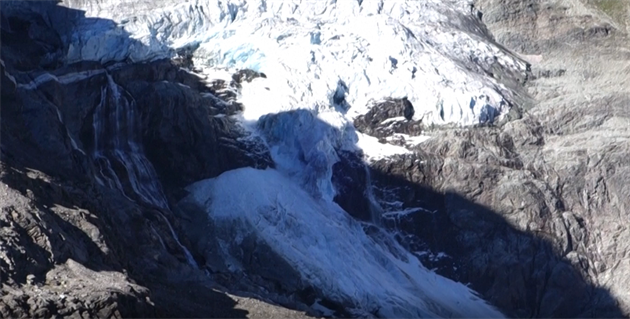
[[433, 51], [330, 250]]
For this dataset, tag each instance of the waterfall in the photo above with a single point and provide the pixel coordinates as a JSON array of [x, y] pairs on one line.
[[376, 212], [119, 155], [117, 133]]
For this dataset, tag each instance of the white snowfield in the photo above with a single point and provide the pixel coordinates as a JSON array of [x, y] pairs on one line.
[[371, 274], [432, 51]]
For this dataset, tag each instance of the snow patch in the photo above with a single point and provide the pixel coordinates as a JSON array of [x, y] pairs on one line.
[[374, 150]]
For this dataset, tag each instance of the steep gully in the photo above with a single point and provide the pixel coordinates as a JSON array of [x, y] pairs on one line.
[[120, 164]]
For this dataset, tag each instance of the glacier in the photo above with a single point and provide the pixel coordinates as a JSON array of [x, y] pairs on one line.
[[434, 52], [326, 62]]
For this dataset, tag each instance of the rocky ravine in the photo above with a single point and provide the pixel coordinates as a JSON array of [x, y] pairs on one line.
[[532, 213]]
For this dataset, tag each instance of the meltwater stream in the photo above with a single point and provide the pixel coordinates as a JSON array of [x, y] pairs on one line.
[[117, 132], [119, 155], [376, 211]]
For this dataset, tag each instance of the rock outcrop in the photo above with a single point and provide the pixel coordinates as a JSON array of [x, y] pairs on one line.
[[387, 118]]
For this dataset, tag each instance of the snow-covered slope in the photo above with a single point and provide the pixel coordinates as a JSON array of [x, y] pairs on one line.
[[329, 249], [434, 52]]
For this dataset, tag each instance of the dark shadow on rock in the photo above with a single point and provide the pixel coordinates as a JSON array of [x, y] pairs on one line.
[[348, 176], [54, 226], [65, 239], [523, 274]]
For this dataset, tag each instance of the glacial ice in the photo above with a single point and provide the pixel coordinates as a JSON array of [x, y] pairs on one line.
[[372, 274], [305, 147], [433, 51]]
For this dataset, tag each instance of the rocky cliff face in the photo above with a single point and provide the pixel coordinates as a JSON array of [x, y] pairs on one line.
[[95, 157]]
